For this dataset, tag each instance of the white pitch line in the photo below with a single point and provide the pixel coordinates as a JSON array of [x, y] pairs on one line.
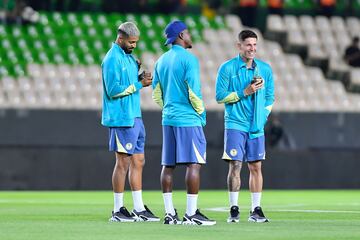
[[21, 201], [226, 209], [315, 211]]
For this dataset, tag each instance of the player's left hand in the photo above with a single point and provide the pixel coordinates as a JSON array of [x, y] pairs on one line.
[[147, 79]]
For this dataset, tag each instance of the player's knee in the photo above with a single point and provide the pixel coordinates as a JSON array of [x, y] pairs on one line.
[[234, 173], [122, 166], [139, 163], [255, 169], [166, 178]]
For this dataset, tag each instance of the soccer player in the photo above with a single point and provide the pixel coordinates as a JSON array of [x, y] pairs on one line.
[[245, 85], [121, 113], [176, 88]]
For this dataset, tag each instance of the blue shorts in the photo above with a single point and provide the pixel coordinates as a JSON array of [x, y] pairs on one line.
[[238, 146], [130, 140], [183, 145]]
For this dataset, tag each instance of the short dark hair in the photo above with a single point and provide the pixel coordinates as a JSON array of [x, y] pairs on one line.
[[244, 34]]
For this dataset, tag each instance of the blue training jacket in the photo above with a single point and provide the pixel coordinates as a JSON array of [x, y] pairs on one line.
[[121, 95], [250, 113], [177, 89]]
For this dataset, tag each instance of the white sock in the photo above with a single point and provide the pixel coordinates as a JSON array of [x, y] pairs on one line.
[[233, 198], [118, 201], [255, 200], [191, 204], [138, 202], [169, 207]]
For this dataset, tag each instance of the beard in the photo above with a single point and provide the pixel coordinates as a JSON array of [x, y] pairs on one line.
[[188, 44], [128, 51]]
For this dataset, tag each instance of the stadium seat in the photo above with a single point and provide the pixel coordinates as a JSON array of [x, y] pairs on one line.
[[337, 23], [322, 24], [233, 22]]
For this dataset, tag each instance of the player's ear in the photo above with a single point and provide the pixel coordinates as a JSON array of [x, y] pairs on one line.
[[119, 40], [238, 45]]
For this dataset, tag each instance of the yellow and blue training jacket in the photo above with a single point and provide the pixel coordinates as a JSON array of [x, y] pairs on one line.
[[245, 113], [177, 89], [121, 95]]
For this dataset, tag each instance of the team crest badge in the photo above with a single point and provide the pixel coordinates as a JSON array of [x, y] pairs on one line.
[[128, 146], [233, 152]]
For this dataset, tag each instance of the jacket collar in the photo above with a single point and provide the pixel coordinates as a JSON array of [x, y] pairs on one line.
[[177, 46], [242, 63], [116, 46], [122, 52]]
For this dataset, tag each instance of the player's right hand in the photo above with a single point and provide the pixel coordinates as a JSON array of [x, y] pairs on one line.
[[253, 87]]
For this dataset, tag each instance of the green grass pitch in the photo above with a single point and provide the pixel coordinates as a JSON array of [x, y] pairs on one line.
[[315, 214]]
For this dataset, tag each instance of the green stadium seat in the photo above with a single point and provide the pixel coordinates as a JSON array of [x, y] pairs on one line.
[[141, 46], [77, 31], [159, 20], [91, 31], [157, 47], [39, 44], [132, 18], [145, 20], [196, 36], [204, 22], [89, 59], [87, 20], [98, 45], [72, 19], [101, 20], [73, 58], [48, 31], [219, 22], [19, 70], [16, 32], [190, 22], [32, 32], [43, 57], [108, 32], [6, 44], [3, 71], [43, 20], [28, 56], [82, 46], [58, 58], [12, 56]]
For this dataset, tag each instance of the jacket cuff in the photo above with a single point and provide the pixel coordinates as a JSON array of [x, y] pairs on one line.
[[138, 86], [240, 94]]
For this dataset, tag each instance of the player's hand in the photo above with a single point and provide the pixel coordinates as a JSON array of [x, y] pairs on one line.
[[253, 87], [147, 79]]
